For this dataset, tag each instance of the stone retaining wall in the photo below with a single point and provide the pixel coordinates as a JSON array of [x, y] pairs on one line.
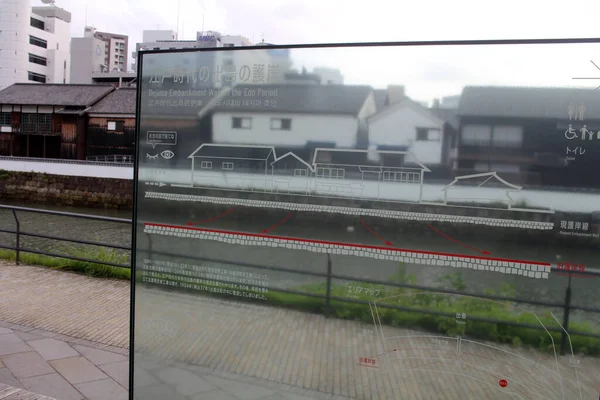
[[61, 190]]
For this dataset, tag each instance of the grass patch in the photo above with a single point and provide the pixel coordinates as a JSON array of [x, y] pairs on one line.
[[94, 269]]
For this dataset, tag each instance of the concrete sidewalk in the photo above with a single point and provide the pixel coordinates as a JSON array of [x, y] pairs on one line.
[[66, 336]]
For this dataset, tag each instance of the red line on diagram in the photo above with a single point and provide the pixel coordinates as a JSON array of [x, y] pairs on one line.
[[213, 218], [375, 234], [457, 242], [279, 223]]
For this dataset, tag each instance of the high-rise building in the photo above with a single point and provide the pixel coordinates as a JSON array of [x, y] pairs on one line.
[[34, 43], [100, 57], [116, 48]]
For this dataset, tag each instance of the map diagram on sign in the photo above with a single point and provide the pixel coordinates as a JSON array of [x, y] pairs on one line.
[[506, 369]]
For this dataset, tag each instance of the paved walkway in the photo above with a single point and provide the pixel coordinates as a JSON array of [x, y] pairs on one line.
[[65, 336], [12, 393]]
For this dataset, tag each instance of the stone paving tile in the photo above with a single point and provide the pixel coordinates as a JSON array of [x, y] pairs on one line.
[[26, 365], [78, 370], [52, 349], [162, 392], [26, 336], [105, 389], [118, 371], [52, 385], [11, 343], [99, 357], [8, 378]]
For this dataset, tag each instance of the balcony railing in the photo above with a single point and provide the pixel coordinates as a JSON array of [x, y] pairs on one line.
[[37, 129]]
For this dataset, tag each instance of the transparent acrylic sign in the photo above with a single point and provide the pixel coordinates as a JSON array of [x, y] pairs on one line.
[[369, 222]]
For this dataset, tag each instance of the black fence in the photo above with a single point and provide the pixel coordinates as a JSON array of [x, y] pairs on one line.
[[328, 277]]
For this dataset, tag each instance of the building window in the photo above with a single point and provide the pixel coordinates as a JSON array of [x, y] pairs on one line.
[[241, 123], [507, 136], [300, 172], [206, 165], [281, 124], [36, 122], [406, 177], [422, 133], [38, 42], [115, 126], [32, 76], [5, 119], [37, 59], [477, 135], [428, 134], [36, 23], [331, 173], [227, 166]]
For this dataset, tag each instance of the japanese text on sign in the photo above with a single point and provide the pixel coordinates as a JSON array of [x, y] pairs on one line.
[[214, 280], [575, 225], [254, 73]]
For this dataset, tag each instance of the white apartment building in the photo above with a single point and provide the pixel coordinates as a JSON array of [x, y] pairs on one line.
[[99, 57], [34, 43], [116, 47]]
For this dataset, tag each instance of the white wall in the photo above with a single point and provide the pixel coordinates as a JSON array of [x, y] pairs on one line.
[[398, 127], [322, 128], [69, 169]]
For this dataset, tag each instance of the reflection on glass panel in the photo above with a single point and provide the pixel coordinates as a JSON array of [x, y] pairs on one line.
[[368, 223]]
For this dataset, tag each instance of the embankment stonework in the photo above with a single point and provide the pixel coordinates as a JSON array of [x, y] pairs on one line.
[[63, 190]]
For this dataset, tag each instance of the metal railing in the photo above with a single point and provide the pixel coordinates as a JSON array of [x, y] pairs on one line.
[[115, 158], [328, 277]]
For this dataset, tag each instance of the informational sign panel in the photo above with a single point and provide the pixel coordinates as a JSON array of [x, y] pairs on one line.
[[368, 222]]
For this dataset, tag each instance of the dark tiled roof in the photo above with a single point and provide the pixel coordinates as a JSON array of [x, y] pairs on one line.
[[233, 152], [297, 98], [526, 102], [121, 101], [54, 94]]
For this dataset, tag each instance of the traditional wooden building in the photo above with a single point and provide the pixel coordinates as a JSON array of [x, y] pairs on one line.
[[111, 126], [47, 121]]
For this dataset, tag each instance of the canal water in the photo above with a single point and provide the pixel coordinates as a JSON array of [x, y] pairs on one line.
[[584, 291]]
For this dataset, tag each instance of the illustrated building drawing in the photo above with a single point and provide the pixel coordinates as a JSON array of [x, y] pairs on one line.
[[291, 174], [241, 167], [355, 173], [475, 188]]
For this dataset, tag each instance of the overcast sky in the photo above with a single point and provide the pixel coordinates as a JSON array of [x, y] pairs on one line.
[[426, 72]]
